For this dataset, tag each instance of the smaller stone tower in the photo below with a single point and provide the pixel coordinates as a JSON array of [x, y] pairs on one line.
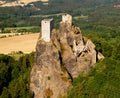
[[46, 29], [67, 19]]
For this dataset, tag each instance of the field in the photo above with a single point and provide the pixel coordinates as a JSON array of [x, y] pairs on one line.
[[24, 43]]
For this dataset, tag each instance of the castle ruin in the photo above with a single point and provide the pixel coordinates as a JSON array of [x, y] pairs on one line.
[[66, 18], [47, 26], [46, 29], [66, 49]]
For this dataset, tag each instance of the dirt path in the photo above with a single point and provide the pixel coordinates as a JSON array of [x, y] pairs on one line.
[[25, 43]]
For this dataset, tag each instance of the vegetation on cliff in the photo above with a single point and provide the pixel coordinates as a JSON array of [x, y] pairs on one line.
[[103, 80]]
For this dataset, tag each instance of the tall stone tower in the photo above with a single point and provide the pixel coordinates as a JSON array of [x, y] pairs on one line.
[[46, 29], [67, 19]]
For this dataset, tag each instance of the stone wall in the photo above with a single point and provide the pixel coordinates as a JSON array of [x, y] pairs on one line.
[[46, 29], [67, 18]]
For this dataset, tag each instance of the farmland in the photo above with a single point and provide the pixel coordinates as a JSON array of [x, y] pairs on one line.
[[25, 43]]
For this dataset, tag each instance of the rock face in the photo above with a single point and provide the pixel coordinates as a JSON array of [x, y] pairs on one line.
[[47, 77], [60, 60]]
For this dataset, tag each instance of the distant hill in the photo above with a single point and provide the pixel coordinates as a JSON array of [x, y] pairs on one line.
[[23, 12], [10, 3]]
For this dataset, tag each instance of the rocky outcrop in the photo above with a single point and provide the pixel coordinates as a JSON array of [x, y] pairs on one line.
[[48, 79], [60, 60], [77, 55]]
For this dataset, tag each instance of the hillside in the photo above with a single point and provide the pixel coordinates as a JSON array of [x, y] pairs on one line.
[[11, 3], [93, 9]]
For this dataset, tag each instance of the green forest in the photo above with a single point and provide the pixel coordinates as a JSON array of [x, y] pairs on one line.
[[98, 20], [101, 11], [15, 76], [103, 79]]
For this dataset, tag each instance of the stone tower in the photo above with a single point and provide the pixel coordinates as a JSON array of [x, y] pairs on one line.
[[46, 29], [67, 19]]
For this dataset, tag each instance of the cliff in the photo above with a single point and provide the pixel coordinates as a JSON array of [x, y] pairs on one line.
[[60, 60]]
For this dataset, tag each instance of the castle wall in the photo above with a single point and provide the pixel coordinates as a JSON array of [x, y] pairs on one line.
[[46, 29]]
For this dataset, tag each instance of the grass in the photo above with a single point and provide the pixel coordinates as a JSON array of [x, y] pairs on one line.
[[48, 92], [81, 17], [17, 28], [50, 15], [48, 77], [31, 29]]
